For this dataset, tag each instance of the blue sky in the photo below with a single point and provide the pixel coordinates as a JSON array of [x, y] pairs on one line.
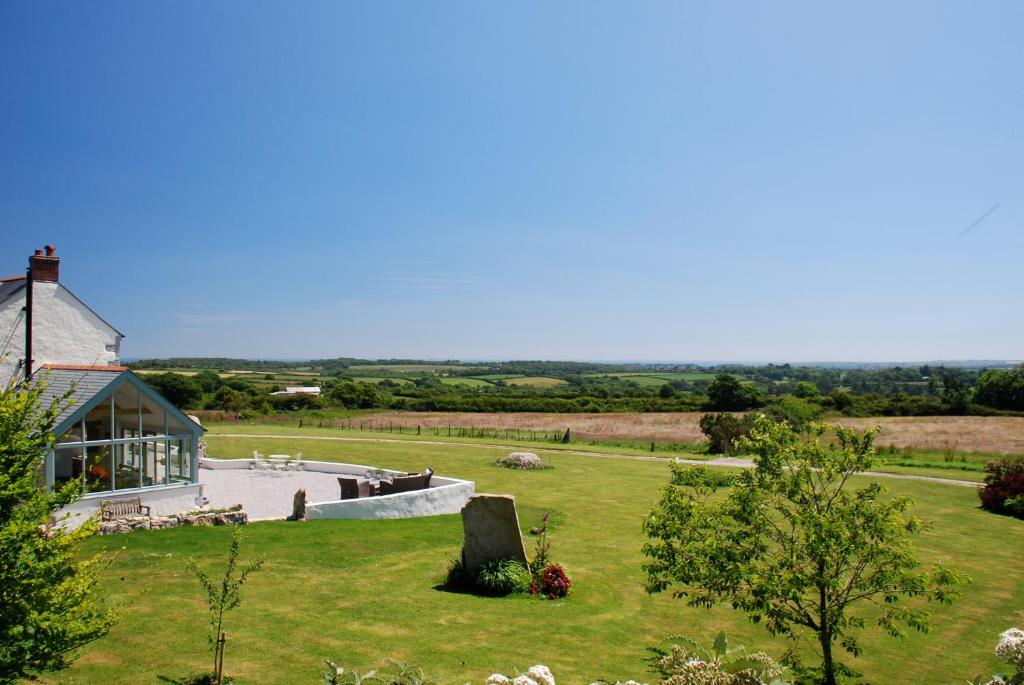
[[650, 181]]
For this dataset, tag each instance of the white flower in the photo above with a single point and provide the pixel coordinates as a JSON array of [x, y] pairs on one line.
[[497, 679], [541, 675], [524, 680], [1011, 646]]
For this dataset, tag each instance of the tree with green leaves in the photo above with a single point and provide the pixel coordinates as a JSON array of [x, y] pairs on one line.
[[223, 595], [794, 544], [727, 393], [49, 598]]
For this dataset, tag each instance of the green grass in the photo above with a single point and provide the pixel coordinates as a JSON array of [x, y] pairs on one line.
[[499, 376], [536, 381], [363, 591], [381, 379], [468, 382], [407, 368]]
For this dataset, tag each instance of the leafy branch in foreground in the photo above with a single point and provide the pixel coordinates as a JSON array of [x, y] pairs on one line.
[[49, 599], [795, 545]]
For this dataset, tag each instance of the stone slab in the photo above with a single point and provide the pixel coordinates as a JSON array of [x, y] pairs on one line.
[[491, 527]]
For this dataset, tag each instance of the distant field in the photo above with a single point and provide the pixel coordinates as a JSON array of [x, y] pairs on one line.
[[661, 376], [406, 368], [988, 434], [536, 381], [499, 376], [469, 382], [380, 379]]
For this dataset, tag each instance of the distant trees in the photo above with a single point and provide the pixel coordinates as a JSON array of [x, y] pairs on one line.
[[181, 391], [724, 430], [1001, 389], [727, 393]]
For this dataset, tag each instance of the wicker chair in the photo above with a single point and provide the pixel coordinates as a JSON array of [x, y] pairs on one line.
[[353, 488]]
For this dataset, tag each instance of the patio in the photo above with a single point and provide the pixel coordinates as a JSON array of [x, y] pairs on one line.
[[269, 494]]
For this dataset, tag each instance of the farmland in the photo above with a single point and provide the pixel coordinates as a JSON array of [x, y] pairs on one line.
[[987, 434], [383, 598]]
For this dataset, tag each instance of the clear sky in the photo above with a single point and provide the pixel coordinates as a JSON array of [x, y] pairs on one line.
[[651, 181]]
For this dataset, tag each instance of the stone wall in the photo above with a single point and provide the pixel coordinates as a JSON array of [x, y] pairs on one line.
[[232, 517]]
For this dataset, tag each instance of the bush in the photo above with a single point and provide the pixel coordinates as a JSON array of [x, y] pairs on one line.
[[697, 476], [502, 577], [723, 430], [554, 583], [1004, 487]]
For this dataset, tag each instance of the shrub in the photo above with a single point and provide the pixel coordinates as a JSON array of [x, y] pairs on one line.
[[1004, 487], [554, 583], [723, 430], [696, 476], [502, 577], [690, 664]]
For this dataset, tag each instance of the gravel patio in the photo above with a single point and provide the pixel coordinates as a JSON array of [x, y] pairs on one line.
[[266, 495]]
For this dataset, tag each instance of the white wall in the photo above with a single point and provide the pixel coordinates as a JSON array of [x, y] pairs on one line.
[[444, 499], [173, 499], [64, 331]]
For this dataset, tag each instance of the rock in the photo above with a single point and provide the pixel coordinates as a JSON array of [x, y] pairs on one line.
[[298, 506], [491, 527]]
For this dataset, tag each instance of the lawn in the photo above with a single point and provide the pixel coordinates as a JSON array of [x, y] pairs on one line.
[[363, 591], [468, 382]]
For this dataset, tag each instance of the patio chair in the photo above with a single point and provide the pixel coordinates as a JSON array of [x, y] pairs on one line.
[[427, 473], [258, 462], [296, 463], [402, 484], [353, 488]]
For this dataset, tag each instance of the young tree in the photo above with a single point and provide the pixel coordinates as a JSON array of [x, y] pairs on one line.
[[223, 595], [795, 545], [49, 605]]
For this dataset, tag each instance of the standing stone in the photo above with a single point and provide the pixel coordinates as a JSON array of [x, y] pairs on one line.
[[298, 506], [491, 527]]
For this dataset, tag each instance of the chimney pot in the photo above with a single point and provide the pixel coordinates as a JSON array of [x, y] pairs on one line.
[[45, 267]]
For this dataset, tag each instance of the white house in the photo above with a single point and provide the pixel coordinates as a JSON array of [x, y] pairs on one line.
[[117, 435], [298, 390], [64, 330]]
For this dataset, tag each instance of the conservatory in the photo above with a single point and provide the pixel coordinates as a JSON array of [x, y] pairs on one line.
[[119, 437]]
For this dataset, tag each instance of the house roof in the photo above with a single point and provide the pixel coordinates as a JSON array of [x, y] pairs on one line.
[[87, 385], [83, 385], [10, 286]]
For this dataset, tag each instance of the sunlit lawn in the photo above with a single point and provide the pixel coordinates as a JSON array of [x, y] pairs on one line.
[[363, 592]]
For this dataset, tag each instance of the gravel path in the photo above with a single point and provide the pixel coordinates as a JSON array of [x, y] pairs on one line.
[[720, 461], [266, 494]]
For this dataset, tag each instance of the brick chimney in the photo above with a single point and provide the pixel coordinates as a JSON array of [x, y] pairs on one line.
[[45, 267]]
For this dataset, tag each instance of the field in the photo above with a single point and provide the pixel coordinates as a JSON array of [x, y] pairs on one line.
[[535, 381], [361, 592], [983, 434]]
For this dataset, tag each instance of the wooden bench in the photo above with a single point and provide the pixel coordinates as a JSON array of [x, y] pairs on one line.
[[122, 508]]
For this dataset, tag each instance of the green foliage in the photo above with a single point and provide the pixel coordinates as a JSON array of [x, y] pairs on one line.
[[795, 546], [700, 476], [396, 673], [1004, 487], [502, 577], [49, 598], [723, 430], [223, 595], [793, 410], [726, 393], [686, 662], [181, 391], [1001, 389]]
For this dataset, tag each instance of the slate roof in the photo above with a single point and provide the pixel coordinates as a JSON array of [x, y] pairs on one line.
[[87, 381], [9, 286]]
